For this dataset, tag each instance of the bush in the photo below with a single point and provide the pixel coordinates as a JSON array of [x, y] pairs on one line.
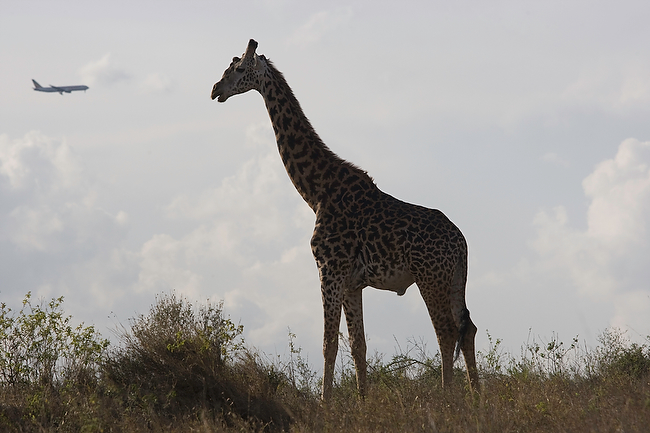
[[179, 361], [38, 346], [47, 368], [617, 357]]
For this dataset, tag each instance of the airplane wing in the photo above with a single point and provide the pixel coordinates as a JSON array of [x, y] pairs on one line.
[[61, 89]]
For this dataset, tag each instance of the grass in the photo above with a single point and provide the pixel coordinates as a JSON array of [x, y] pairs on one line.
[[185, 367]]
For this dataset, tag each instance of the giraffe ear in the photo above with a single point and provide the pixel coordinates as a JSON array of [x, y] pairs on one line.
[[257, 64]]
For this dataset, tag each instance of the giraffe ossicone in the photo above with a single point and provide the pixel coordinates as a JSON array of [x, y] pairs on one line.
[[363, 237]]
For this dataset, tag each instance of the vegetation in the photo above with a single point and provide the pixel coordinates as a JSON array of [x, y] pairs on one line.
[[183, 368]]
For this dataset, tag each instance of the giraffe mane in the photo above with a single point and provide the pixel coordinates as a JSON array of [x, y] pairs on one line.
[[312, 132]]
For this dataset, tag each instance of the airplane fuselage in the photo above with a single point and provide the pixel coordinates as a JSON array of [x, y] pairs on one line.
[[58, 89]]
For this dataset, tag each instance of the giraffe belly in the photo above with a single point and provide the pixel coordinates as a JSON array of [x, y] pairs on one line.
[[395, 280]]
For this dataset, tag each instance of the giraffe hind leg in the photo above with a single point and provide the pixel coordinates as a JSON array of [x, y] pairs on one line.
[[446, 333], [467, 334], [466, 328], [438, 304], [462, 331]]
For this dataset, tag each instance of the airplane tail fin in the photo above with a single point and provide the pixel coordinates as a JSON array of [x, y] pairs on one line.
[[36, 85]]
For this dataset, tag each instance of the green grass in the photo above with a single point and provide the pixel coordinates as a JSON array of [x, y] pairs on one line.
[[185, 367]]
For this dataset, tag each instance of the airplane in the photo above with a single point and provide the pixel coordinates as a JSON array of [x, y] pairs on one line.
[[60, 89]]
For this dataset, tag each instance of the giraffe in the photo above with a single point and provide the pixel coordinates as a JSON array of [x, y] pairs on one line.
[[362, 236]]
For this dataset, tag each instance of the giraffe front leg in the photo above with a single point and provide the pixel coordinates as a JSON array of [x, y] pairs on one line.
[[332, 313], [353, 308]]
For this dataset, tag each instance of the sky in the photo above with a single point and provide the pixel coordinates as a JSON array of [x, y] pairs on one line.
[[526, 123]]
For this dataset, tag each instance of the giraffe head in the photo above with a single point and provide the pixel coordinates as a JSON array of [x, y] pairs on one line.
[[241, 76]]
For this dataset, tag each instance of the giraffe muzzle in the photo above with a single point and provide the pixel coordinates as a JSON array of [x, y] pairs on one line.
[[217, 92]]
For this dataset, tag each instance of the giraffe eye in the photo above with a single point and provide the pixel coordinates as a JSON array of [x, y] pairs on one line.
[[240, 69]]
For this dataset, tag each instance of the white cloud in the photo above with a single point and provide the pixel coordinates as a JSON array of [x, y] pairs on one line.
[[319, 24], [620, 192], [255, 206], [611, 85], [608, 261], [252, 209], [632, 310], [579, 279], [555, 159], [33, 228], [54, 239], [157, 83], [37, 161], [50, 203], [103, 72], [573, 254], [635, 86], [254, 186], [167, 263]]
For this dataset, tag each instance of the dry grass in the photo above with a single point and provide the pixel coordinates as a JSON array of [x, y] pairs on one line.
[[184, 368]]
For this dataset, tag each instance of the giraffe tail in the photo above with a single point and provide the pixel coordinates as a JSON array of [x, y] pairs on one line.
[[462, 331]]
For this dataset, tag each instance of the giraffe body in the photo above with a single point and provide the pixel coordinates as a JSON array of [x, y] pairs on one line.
[[363, 236]]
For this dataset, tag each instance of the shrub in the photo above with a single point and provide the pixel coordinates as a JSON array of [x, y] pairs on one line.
[[617, 357], [180, 361], [48, 368], [39, 346]]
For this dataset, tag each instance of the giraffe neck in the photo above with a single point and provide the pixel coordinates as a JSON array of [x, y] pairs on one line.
[[316, 172]]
